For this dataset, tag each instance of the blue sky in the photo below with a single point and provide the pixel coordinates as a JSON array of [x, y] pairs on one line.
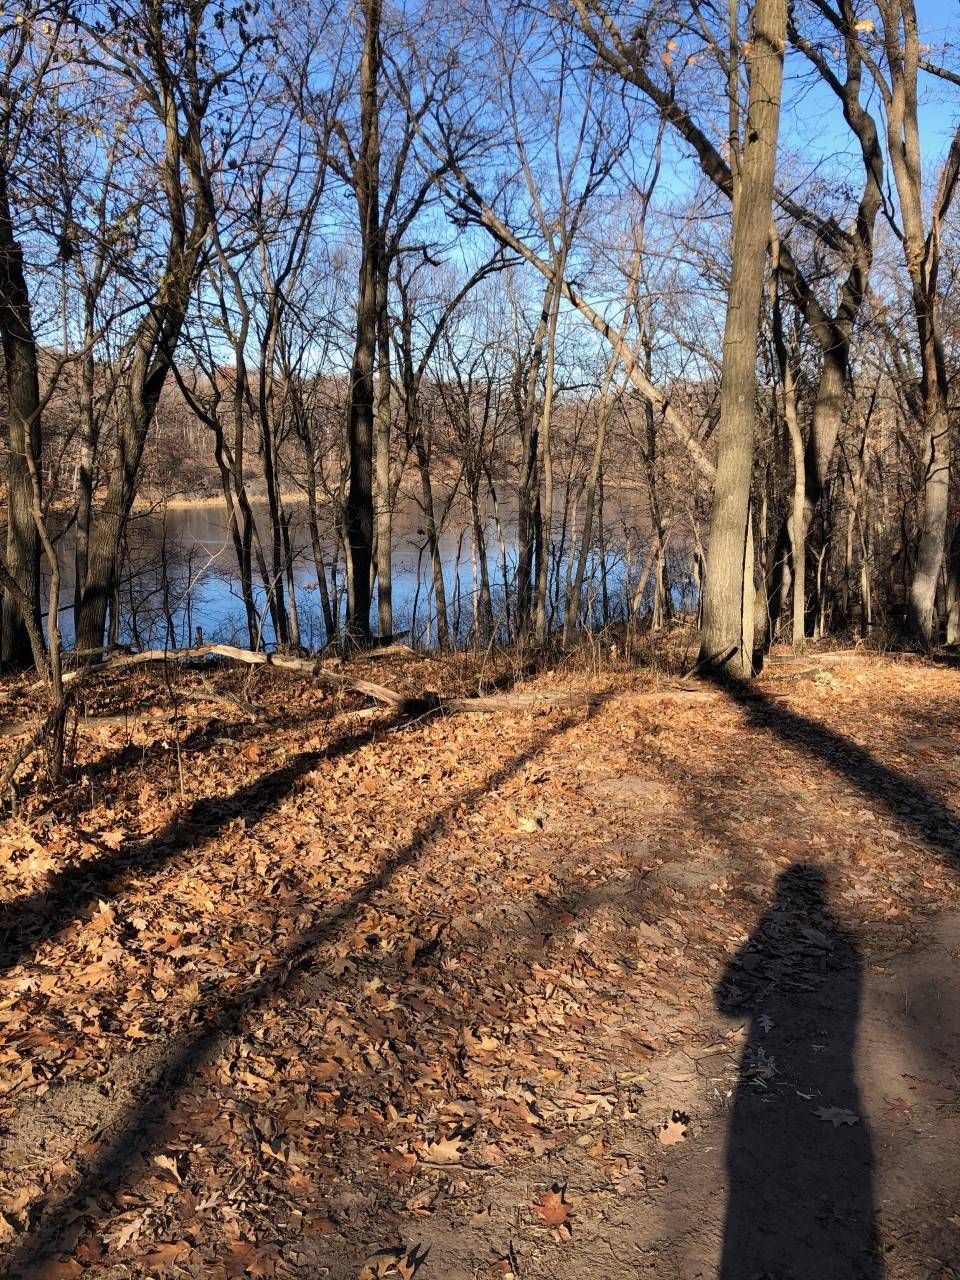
[[814, 122]]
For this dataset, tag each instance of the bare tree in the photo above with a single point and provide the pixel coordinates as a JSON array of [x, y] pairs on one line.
[[29, 39], [897, 79]]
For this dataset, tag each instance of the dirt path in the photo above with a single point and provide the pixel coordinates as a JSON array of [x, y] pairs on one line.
[[660, 988]]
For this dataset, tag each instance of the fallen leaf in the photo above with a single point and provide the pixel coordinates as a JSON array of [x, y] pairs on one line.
[[126, 1231], [163, 1255], [552, 1208], [673, 1130], [446, 1151], [397, 1262], [837, 1116], [170, 1165]]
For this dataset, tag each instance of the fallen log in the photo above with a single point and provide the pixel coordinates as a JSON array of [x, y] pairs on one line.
[[400, 703], [252, 657], [334, 679]]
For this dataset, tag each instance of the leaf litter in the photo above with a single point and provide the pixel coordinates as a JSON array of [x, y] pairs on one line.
[[369, 976]]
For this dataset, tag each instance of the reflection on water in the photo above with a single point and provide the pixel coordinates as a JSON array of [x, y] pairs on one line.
[[182, 570]]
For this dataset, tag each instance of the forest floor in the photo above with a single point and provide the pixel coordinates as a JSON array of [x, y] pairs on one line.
[[663, 986]]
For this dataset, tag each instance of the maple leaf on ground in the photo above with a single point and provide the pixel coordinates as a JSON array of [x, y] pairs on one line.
[[837, 1116], [552, 1208]]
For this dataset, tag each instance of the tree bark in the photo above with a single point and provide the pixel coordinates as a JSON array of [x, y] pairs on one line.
[[528, 495], [359, 512], [541, 621], [23, 436], [383, 486], [727, 637], [953, 588], [921, 248]]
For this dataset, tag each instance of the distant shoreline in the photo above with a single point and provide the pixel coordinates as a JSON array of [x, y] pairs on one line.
[[156, 503]]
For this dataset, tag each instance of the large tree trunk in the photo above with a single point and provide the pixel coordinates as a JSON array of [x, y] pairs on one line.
[[383, 487], [953, 588], [936, 481], [816, 459], [23, 434], [528, 493], [359, 511], [727, 638], [901, 39]]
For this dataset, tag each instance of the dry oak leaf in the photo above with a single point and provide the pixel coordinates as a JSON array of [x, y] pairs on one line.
[[552, 1208], [164, 1255], [388, 1264], [446, 1151], [837, 1116]]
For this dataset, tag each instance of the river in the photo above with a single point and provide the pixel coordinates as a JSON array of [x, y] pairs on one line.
[[182, 564]]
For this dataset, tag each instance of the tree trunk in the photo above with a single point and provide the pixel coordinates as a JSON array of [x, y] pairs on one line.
[[575, 593], [936, 483], [727, 638], [433, 540], [546, 513], [383, 487], [23, 434], [953, 588], [359, 511], [483, 619], [901, 39], [331, 622], [797, 519], [528, 496], [89, 432], [278, 564]]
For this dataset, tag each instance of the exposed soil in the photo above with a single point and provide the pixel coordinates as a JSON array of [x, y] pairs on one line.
[[664, 987]]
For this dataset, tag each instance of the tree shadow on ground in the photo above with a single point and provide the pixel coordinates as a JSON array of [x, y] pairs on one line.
[[799, 1159], [27, 920], [899, 794], [216, 1019], [131, 755]]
